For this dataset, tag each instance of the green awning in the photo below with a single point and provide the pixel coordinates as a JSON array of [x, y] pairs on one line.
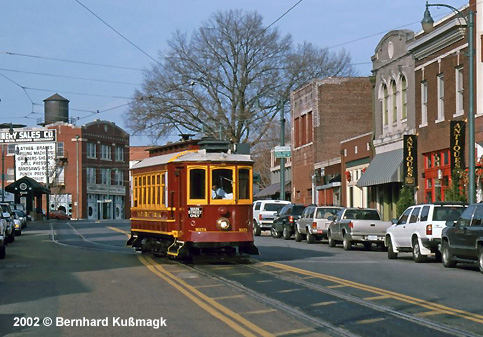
[[384, 168]]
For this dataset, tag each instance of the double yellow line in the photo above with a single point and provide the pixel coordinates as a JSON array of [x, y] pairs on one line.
[[434, 307], [232, 319]]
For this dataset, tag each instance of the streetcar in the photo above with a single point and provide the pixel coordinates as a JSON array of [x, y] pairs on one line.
[[193, 198]]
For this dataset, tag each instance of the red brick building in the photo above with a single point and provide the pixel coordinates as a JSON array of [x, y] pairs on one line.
[[325, 112], [441, 72], [87, 166]]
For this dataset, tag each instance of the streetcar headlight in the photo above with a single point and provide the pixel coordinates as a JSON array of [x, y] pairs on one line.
[[223, 224]]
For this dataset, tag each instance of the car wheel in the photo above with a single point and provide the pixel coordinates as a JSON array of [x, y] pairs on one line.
[[256, 229], [298, 236], [11, 238], [367, 245], [3, 252], [447, 256], [332, 242], [346, 242], [391, 255], [480, 259], [417, 256], [275, 233], [310, 238], [437, 256], [286, 233]]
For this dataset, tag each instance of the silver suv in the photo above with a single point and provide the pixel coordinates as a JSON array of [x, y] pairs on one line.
[[264, 212], [313, 223], [6, 214], [3, 238]]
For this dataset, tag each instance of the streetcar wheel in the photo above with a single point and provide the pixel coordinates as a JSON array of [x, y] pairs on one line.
[[447, 256], [286, 233], [417, 256], [391, 255], [346, 242], [332, 242]]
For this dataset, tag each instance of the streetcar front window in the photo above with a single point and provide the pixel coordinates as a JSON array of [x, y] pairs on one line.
[[222, 184]]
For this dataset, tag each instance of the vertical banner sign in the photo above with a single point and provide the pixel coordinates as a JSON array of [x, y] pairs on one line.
[[410, 160], [457, 144]]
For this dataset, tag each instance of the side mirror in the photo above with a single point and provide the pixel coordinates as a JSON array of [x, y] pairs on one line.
[[331, 218], [394, 221], [450, 223]]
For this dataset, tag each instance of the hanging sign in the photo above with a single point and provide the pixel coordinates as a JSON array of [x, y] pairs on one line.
[[410, 160], [457, 144]]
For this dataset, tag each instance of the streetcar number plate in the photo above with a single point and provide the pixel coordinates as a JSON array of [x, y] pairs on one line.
[[195, 212]]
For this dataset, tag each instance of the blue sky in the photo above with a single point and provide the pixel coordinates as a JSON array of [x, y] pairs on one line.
[[38, 38]]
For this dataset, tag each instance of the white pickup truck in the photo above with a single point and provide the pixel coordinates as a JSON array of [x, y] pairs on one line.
[[357, 225]]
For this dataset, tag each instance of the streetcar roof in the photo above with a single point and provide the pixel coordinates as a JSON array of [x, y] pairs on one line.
[[193, 156]]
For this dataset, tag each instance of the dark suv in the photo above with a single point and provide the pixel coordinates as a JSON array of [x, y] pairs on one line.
[[462, 241], [284, 223]]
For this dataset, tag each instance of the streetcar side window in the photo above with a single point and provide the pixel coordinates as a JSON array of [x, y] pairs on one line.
[[243, 183], [197, 184]]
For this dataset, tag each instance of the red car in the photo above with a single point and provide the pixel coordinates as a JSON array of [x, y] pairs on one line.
[[59, 215]]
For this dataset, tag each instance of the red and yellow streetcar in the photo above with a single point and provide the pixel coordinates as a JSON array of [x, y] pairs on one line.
[[193, 198]]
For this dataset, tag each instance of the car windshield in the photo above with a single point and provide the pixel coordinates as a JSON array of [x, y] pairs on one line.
[[273, 207], [445, 213], [324, 213]]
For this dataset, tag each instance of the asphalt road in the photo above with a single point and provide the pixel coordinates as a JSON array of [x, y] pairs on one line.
[[80, 273]]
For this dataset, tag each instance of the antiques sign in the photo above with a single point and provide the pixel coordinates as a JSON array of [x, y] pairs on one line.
[[457, 144], [410, 160]]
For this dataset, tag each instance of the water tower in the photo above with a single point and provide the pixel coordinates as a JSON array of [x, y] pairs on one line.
[[56, 109]]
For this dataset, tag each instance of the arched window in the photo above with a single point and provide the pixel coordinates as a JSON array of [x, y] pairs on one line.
[[404, 98], [385, 105], [394, 101]]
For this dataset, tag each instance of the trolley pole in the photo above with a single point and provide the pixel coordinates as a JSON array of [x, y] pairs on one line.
[[282, 160]]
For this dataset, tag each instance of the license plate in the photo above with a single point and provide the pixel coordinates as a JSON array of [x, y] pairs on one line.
[[372, 237]]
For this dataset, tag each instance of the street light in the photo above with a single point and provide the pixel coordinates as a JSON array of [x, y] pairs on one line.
[[427, 25]]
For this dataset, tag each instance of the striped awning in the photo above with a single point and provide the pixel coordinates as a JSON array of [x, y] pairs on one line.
[[384, 168]]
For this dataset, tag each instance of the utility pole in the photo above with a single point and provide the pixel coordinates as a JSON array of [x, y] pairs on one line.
[[47, 181], [77, 177], [282, 160]]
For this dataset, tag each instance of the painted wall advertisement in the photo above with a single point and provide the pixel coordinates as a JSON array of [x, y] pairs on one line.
[[28, 136], [410, 160], [31, 160]]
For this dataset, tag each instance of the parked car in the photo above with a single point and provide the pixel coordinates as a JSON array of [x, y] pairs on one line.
[[313, 223], [21, 216], [3, 238], [264, 212], [7, 216], [462, 240], [284, 223], [418, 229], [59, 215], [357, 225]]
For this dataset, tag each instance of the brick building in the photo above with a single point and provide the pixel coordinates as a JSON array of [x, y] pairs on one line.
[[325, 112], [442, 102], [85, 167], [356, 154]]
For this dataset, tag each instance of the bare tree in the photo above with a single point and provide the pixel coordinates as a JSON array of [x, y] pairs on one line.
[[227, 79]]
